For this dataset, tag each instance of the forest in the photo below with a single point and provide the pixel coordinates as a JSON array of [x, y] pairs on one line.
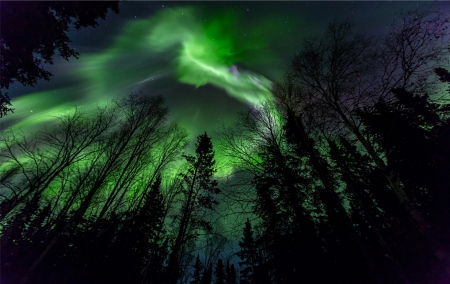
[[343, 177]]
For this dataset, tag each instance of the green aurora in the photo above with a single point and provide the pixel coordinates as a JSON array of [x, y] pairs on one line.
[[201, 52], [204, 53]]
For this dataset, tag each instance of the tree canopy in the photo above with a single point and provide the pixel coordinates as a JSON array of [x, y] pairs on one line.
[[33, 31]]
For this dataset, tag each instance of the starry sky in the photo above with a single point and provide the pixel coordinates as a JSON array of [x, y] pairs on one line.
[[209, 60]]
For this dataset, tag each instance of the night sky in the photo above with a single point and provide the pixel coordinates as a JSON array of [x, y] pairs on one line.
[[208, 59]]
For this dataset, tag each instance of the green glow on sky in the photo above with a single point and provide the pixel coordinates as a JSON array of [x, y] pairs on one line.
[[208, 53], [174, 42], [203, 53], [38, 108]]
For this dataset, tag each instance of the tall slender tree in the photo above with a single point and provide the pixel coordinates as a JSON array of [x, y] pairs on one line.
[[219, 272], [230, 277], [247, 255], [342, 72], [143, 119], [198, 271], [198, 197], [419, 165]]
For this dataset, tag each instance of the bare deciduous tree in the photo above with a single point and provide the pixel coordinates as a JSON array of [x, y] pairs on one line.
[[342, 72]]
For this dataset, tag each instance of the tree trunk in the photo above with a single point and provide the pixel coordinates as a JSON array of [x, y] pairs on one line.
[[330, 189], [412, 212], [174, 260]]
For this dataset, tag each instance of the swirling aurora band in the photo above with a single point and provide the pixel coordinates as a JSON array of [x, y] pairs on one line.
[[203, 52]]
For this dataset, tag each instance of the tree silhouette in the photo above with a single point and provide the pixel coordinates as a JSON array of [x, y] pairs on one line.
[[419, 164], [247, 254], [207, 274], [88, 163], [252, 265], [219, 272], [52, 152], [230, 275], [32, 31], [337, 173], [198, 271], [341, 72], [198, 194], [366, 192]]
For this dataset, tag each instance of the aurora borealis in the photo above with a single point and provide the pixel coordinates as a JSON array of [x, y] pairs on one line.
[[209, 60], [225, 142]]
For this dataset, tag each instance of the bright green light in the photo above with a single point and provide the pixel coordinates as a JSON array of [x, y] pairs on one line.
[[202, 51], [207, 54]]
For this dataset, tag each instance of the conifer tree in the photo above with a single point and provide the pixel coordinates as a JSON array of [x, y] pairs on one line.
[[198, 271], [199, 191], [410, 131], [247, 254], [219, 272], [230, 276], [207, 274]]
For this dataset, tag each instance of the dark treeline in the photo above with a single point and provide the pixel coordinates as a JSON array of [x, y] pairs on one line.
[[346, 173], [350, 163]]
